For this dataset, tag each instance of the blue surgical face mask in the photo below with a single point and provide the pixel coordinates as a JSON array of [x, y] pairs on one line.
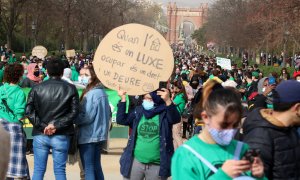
[[148, 105], [222, 137], [84, 80]]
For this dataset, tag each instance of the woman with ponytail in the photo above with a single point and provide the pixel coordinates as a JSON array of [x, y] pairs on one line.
[[213, 154]]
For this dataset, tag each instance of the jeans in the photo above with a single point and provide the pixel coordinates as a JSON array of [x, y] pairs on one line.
[[90, 155], [41, 147]]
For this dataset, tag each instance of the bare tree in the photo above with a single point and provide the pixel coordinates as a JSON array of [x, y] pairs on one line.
[[10, 11]]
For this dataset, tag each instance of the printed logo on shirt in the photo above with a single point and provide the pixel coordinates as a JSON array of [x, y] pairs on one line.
[[148, 130]]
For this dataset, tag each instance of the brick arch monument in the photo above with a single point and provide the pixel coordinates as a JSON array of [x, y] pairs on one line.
[[178, 16]]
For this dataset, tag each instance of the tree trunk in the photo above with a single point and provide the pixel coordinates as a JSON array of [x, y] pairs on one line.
[[67, 24], [9, 39], [85, 41]]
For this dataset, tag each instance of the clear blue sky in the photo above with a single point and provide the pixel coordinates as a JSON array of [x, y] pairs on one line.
[[185, 3]]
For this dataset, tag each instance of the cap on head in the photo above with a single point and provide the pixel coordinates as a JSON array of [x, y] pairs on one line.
[[288, 92]]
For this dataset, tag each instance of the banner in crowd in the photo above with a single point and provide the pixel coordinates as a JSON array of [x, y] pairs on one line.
[[224, 63], [134, 58], [39, 51]]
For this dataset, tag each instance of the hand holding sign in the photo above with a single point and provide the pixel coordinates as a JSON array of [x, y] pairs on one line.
[[134, 57]]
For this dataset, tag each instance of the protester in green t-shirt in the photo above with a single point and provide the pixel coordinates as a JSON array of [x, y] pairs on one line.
[[150, 146], [213, 154], [179, 98], [12, 59]]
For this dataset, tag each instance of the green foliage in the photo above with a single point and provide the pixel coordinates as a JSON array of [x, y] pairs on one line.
[[199, 36]]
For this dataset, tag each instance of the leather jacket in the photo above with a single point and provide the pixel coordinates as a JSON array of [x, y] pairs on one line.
[[53, 102]]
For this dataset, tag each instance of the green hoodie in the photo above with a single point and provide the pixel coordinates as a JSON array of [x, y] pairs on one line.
[[75, 74], [16, 101]]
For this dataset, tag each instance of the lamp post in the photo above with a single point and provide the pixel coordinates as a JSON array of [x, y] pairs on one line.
[[285, 39], [33, 28]]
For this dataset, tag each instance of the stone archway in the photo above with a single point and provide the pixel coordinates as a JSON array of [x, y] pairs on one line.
[[186, 29], [181, 19]]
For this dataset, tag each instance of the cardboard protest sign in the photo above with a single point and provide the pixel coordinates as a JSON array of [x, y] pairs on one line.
[[224, 63], [70, 53], [39, 51], [135, 58]]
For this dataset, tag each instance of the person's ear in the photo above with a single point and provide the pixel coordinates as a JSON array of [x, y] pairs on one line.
[[204, 117], [297, 109]]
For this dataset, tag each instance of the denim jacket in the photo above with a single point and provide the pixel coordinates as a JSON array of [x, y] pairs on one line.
[[166, 120], [93, 118]]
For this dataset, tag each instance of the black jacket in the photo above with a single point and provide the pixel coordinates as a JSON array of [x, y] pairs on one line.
[[52, 102], [27, 83], [279, 146]]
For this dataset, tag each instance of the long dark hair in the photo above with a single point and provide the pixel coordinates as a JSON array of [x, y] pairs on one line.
[[94, 81], [181, 88]]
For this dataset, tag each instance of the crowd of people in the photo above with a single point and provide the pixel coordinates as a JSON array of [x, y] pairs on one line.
[[207, 123]]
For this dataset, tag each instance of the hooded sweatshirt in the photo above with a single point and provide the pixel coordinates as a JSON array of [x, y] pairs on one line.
[[279, 146], [16, 101], [261, 101], [67, 75], [260, 85], [31, 80]]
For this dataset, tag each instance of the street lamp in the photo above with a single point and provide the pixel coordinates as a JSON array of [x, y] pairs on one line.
[[33, 28]]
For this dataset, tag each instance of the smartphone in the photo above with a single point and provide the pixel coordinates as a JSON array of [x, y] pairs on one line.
[[272, 81], [163, 85], [251, 154]]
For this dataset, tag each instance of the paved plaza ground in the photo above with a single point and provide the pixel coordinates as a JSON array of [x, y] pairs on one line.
[[110, 163]]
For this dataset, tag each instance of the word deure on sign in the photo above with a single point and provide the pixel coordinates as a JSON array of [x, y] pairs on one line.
[[135, 58]]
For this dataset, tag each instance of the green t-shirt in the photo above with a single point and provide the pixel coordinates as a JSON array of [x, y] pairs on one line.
[[46, 78], [147, 143], [16, 101], [12, 60], [75, 74], [185, 165], [180, 102], [185, 71]]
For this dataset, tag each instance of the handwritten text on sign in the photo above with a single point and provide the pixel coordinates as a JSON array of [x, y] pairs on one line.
[[224, 63], [39, 51], [134, 57]]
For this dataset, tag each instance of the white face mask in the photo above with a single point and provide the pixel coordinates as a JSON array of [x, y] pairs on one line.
[[298, 80]]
